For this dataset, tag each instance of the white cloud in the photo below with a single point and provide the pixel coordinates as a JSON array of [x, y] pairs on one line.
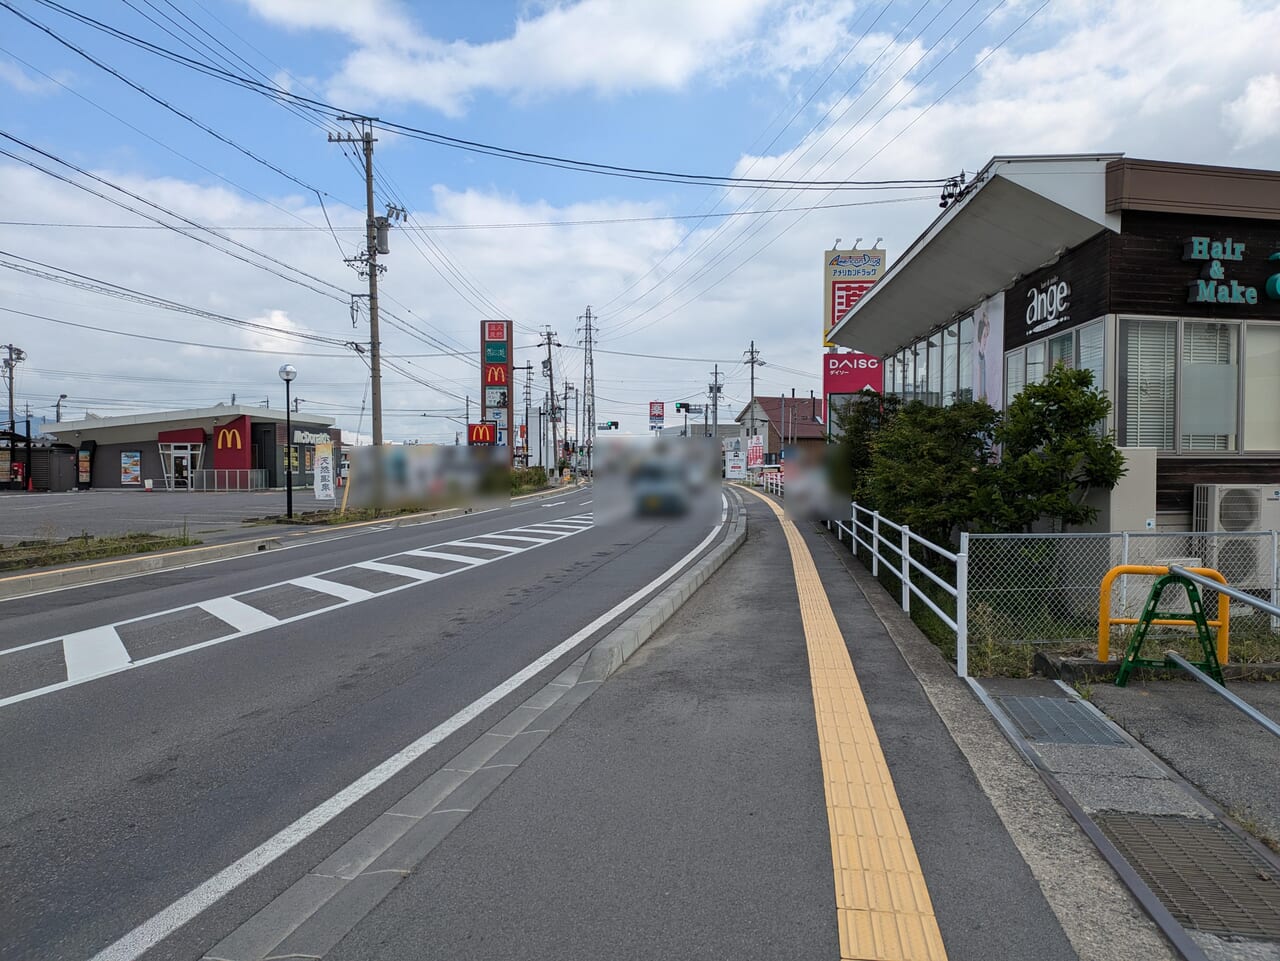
[[1254, 116], [604, 46], [23, 82]]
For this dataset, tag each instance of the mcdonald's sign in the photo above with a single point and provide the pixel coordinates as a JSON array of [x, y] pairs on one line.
[[495, 375], [482, 434], [229, 439]]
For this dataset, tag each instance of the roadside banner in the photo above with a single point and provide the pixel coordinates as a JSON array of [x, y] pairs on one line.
[[324, 473]]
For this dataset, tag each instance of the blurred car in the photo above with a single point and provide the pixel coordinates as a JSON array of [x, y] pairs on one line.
[[659, 487]]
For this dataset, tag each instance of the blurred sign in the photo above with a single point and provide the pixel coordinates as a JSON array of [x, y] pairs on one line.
[[755, 451], [324, 472], [851, 372], [847, 275], [495, 353], [735, 465], [657, 410]]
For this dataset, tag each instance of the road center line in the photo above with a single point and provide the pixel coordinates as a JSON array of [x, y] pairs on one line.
[[151, 932]]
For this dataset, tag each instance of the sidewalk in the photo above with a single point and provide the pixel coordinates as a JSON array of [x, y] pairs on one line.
[[681, 811]]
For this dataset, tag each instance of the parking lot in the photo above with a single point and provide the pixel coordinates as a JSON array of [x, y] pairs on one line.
[[209, 516]]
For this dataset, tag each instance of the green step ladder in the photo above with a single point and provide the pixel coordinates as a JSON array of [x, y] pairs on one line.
[[1151, 612]]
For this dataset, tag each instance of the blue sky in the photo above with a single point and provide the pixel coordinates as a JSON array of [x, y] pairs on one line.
[[666, 85]]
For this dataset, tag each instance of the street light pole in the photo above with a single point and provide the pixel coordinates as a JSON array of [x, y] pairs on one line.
[[287, 373], [58, 406]]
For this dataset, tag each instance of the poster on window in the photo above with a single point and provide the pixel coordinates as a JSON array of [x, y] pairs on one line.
[[130, 467], [988, 351]]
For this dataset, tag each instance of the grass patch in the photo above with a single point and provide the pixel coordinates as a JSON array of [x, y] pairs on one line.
[[86, 547]]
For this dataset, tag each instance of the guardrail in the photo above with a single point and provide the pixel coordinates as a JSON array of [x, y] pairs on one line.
[[903, 563], [774, 483], [1238, 703], [1203, 575]]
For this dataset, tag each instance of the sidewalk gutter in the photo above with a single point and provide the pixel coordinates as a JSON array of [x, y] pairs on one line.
[[39, 582]]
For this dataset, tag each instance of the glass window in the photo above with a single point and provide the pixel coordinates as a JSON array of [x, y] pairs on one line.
[[890, 374], [934, 371], [1014, 375], [950, 353], [1035, 362], [1262, 387], [909, 373], [964, 390], [922, 370], [1210, 378], [1089, 355], [1147, 364], [1062, 350]]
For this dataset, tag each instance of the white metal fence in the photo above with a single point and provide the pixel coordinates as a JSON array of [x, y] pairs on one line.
[[773, 482], [1043, 588], [226, 479]]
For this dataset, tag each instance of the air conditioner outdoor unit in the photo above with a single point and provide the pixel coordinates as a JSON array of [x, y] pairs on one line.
[[1247, 560]]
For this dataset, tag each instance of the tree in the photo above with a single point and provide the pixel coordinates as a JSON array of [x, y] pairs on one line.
[[931, 467], [856, 423], [1053, 451]]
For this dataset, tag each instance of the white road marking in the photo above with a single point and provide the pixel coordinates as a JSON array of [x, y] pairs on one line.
[[98, 650], [514, 537], [239, 614], [458, 558], [151, 932], [542, 529], [554, 503], [235, 613], [344, 591], [475, 542], [416, 573], [52, 640]]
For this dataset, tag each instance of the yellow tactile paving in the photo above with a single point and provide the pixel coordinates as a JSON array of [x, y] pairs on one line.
[[882, 904]]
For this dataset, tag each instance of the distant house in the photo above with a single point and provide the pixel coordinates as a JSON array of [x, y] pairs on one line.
[[779, 421]]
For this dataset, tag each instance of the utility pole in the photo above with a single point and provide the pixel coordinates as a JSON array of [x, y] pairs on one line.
[[366, 264], [568, 413], [715, 401], [528, 390], [16, 356], [754, 361], [589, 383], [548, 370]]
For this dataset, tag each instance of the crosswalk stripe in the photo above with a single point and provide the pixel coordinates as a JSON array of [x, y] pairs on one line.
[[344, 591], [414, 572], [98, 650], [238, 614]]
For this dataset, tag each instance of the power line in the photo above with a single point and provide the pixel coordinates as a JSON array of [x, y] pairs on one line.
[[583, 166]]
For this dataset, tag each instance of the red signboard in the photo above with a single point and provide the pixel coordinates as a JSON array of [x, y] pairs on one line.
[[844, 294], [482, 434], [656, 409], [495, 330], [232, 446], [851, 372], [495, 375]]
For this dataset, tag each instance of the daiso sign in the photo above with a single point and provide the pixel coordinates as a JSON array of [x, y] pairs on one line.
[[851, 372]]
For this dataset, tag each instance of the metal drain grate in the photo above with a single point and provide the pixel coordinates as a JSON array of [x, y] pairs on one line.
[[1057, 720], [1207, 877]]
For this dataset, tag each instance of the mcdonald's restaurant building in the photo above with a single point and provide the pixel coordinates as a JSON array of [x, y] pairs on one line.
[[1163, 279], [226, 447]]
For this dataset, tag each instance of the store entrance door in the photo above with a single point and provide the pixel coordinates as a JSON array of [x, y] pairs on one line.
[[181, 471]]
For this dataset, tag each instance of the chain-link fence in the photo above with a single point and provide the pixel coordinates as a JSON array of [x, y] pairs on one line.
[[1043, 588]]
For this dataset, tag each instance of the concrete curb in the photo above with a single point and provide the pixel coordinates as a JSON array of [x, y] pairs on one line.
[[36, 582], [612, 651]]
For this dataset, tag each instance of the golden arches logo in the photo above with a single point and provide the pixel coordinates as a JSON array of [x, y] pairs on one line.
[[229, 437], [495, 375], [480, 433]]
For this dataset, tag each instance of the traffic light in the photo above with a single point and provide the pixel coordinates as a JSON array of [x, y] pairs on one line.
[[682, 407]]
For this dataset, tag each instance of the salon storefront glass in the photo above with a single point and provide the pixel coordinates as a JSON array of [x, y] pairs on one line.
[[1080, 349], [1195, 386], [937, 369]]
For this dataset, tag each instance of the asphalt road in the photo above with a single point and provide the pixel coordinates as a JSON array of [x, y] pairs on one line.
[[122, 793]]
